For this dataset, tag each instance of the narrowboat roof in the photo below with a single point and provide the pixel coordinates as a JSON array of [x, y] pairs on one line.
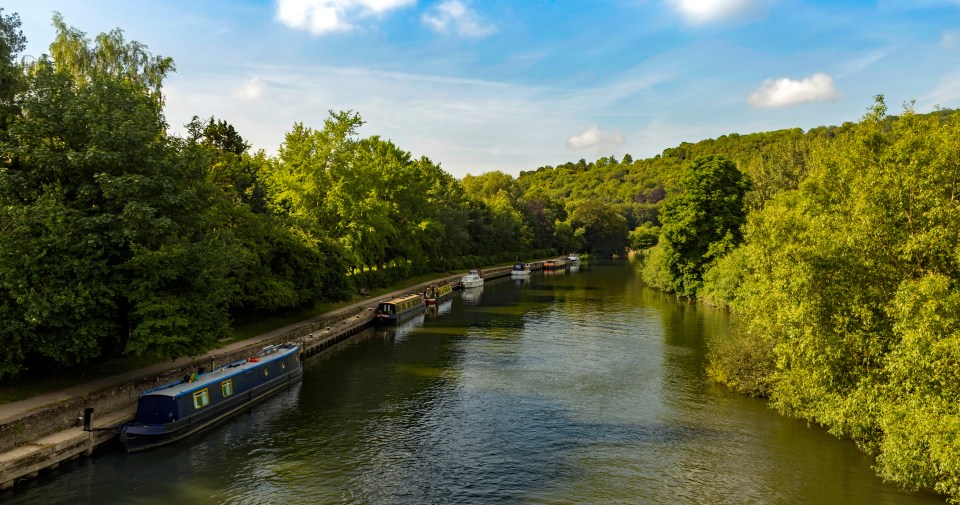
[[402, 298], [268, 354]]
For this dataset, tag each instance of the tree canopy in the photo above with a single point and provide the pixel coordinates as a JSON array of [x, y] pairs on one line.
[[703, 222]]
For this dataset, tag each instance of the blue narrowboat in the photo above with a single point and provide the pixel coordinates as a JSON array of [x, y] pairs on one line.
[[392, 311], [173, 411]]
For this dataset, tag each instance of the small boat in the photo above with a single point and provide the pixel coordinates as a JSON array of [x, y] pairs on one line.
[[520, 270], [392, 311], [573, 259], [179, 409], [472, 280], [433, 295], [555, 264]]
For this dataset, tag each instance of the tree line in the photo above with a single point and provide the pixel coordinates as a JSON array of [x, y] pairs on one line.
[[118, 237]]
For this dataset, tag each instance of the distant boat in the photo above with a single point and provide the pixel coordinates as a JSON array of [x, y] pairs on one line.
[[176, 410], [433, 295], [392, 311], [573, 259], [520, 270], [472, 280], [555, 264]]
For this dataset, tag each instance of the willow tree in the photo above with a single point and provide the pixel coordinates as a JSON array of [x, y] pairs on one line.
[[109, 54]]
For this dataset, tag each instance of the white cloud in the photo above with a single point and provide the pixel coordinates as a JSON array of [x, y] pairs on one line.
[[594, 137], [950, 39], [699, 12], [785, 92], [251, 89], [324, 16], [456, 16], [947, 91]]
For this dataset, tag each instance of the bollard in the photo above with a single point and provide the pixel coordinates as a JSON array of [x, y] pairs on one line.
[[87, 416]]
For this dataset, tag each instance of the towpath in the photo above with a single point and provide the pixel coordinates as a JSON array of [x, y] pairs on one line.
[[15, 410]]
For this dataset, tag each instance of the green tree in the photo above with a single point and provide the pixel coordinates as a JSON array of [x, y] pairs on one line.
[[644, 236], [116, 217], [703, 222], [12, 42], [109, 55], [603, 228]]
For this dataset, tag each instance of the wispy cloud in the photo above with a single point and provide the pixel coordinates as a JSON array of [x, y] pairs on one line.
[[251, 89], [950, 38], [947, 91], [862, 62], [595, 138], [455, 16], [786, 92], [320, 17], [701, 12]]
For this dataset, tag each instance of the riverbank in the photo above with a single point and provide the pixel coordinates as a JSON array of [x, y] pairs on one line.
[[41, 432]]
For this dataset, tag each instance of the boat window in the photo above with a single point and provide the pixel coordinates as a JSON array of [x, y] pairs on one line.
[[156, 409], [266, 371], [201, 398], [227, 387]]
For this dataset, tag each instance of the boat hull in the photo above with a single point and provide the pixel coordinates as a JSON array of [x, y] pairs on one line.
[[148, 437], [176, 411]]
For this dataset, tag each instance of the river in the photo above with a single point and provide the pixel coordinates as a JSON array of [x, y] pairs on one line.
[[580, 387]]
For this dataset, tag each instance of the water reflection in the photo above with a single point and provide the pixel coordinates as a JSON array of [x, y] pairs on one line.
[[444, 307], [399, 331], [471, 295]]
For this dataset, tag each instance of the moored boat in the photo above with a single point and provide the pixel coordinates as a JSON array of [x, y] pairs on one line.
[[174, 411], [392, 311], [573, 259], [520, 270], [435, 294], [554, 264], [473, 279]]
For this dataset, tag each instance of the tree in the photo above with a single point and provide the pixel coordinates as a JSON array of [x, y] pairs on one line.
[[109, 55], [703, 222], [12, 42], [603, 228], [115, 216]]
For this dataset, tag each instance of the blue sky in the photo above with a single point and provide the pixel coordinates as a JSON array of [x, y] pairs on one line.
[[504, 85]]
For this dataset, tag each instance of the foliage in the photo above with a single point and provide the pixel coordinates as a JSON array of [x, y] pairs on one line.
[[12, 42], [603, 228], [862, 265], [96, 192], [644, 236], [108, 56], [703, 222], [656, 271]]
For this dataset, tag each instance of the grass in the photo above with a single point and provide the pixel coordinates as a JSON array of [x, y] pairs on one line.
[[38, 383]]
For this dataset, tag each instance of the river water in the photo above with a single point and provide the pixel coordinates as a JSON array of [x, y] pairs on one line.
[[580, 387]]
